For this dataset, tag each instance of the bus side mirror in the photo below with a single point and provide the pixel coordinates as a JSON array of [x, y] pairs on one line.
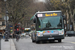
[[64, 17], [34, 20]]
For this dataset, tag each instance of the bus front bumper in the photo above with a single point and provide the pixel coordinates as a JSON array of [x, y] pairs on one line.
[[54, 37]]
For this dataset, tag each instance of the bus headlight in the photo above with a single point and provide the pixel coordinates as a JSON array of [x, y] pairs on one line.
[[61, 32], [39, 33]]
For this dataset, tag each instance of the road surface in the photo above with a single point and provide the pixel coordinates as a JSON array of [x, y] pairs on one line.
[[26, 44]]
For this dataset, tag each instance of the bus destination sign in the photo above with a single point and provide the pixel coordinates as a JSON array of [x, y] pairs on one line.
[[48, 14], [54, 14]]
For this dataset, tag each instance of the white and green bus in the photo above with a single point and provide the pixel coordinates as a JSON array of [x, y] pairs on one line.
[[49, 25]]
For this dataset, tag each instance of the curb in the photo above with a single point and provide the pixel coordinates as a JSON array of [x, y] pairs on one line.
[[12, 45]]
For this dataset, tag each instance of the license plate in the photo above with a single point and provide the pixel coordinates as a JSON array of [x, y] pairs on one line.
[[50, 38]]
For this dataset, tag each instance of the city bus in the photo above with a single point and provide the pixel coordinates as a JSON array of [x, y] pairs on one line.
[[27, 30], [49, 25]]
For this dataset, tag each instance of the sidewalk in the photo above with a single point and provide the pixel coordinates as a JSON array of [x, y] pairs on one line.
[[7, 45]]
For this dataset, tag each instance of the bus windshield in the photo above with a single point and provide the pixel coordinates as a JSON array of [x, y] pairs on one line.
[[49, 22]]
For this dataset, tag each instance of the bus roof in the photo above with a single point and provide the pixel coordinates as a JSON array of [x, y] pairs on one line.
[[47, 11], [44, 12]]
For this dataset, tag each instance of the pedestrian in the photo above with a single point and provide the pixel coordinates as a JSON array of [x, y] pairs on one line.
[[3, 34], [6, 35]]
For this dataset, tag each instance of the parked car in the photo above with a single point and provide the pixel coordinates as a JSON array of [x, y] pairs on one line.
[[70, 33]]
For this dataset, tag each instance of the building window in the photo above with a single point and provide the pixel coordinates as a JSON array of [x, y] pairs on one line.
[[3, 23]]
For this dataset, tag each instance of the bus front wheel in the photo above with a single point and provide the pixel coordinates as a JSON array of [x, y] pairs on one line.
[[37, 41], [33, 40], [59, 40]]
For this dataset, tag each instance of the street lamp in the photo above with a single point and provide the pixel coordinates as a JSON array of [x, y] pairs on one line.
[[6, 32], [6, 13]]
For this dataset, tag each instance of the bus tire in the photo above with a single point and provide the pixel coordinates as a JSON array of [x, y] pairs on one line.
[[37, 41], [59, 40], [33, 40]]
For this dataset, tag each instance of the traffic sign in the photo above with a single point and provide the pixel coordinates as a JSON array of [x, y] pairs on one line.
[[5, 17]]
